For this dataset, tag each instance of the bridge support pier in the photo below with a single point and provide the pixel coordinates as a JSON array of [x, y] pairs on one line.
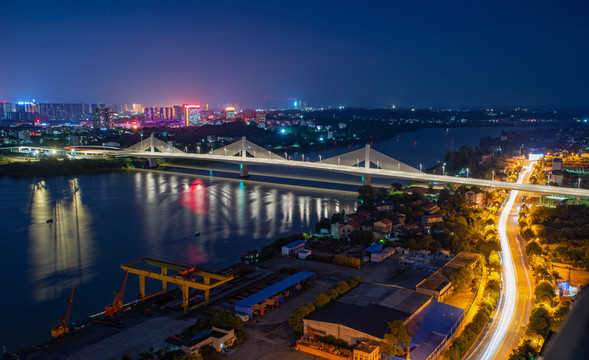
[[366, 180], [243, 171], [152, 163]]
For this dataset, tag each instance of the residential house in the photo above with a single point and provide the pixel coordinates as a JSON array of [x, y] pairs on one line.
[[384, 226], [475, 198], [345, 229]]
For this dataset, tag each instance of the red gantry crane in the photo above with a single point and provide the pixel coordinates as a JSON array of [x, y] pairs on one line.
[[62, 327], [117, 303]]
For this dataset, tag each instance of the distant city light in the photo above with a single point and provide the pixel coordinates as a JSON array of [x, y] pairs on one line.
[[283, 131]]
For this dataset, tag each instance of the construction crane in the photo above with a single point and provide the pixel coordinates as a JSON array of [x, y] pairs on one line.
[[117, 303], [62, 327]]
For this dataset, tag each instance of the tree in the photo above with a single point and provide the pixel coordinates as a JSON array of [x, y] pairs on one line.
[[321, 300], [397, 186], [494, 260], [544, 292], [540, 321], [342, 287], [534, 248], [382, 194], [396, 340], [367, 194], [322, 224], [337, 217], [295, 321], [462, 278], [525, 351], [227, 319], [361, 237]]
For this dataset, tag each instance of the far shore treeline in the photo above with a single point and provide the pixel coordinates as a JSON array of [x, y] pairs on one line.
[[50, 166]]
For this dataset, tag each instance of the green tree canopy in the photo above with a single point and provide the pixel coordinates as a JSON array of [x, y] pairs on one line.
[[397, 340]]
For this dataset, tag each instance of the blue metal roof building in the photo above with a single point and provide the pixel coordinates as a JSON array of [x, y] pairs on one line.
[[294, 244], [432, 327], [246, 305], [374, 248]]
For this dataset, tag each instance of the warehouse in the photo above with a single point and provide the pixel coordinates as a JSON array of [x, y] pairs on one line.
[[264, 300], [438, 285], [364, 313]]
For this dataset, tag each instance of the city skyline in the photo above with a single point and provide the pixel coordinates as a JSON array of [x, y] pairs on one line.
[[328, 54]]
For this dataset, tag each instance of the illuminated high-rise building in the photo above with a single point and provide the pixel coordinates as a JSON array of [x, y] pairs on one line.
[[137, 108], [64, 112], [299, 105], [102, 118], [192, 115], [178, 114], [5, 110], [230, 113]]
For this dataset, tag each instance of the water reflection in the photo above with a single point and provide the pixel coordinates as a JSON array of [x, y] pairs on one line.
[[61, 249]]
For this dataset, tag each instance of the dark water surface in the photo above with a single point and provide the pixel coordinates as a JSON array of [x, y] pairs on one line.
[[101, 221]]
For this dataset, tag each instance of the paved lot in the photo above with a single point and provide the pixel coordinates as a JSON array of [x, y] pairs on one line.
[[134, 340]]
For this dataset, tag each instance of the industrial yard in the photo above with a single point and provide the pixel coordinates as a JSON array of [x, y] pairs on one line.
[[287, 281]]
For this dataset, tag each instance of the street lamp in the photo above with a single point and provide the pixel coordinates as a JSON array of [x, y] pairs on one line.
[[467, 173], [443, 170], [420, 166], [320, 159], [492, 175], [198, 148], [579, 183], [285, 155], [303, 155]]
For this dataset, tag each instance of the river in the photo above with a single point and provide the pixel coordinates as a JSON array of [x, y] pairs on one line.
[[101, 221]]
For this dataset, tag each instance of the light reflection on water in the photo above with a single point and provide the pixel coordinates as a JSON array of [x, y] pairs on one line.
[[102, 221], [60, 249]]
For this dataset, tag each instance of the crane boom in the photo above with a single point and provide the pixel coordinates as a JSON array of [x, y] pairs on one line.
[[117, 303], [62, 327], [68, 310]]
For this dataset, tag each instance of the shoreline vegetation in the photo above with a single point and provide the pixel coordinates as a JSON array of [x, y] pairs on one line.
[[50, 166]]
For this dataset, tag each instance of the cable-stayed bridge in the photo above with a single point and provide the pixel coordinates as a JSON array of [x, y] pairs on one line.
[[366, 163]]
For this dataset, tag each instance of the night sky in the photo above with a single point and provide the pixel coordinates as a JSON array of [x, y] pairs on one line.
[[361, 53]]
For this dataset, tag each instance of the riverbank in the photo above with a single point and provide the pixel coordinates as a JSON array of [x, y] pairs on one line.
[[53, 167]]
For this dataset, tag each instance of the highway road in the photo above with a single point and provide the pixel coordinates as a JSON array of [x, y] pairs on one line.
[[509, 323]]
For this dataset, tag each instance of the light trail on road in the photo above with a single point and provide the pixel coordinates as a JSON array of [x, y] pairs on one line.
[[506, 307]]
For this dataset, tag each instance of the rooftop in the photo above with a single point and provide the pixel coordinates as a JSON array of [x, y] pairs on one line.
[[372, 319], [431, 326], [294, 244], [441, 278], [389, 296], [275, 289]]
